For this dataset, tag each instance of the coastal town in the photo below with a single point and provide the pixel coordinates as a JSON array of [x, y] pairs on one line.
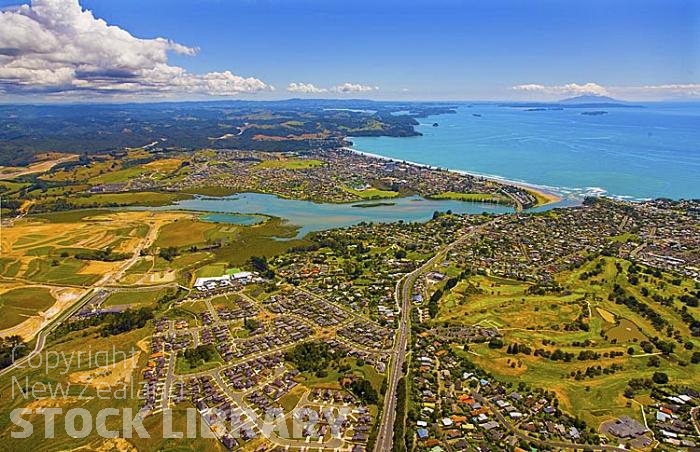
[[465, 332], [350, 226], [325, 175], [236, 346]]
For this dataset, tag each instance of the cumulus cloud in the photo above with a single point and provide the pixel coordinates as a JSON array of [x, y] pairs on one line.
[[305, 88], [54, 46], [346, 88], [642, 92], [571, 89]]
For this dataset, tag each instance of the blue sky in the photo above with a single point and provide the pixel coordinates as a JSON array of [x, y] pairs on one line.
[[440, 49]]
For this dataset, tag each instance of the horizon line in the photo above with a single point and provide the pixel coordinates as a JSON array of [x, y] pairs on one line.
[[288, 99]]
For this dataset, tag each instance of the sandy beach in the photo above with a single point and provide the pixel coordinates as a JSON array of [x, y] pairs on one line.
[[544, 195]]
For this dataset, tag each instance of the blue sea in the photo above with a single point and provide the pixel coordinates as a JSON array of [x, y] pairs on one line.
[[636, 153]]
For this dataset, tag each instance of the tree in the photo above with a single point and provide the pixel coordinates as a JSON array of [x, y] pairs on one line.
[[496, 343], [168, 253], [259, 264], [364, 391], [695, 359], [654, 361], [660, 378]]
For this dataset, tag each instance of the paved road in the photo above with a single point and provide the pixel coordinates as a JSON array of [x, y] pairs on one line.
[[548, 444], [403, 295]]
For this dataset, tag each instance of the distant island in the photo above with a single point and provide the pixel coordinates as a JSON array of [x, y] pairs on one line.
[[590, 99], [543, 109], [584, 101], [373, 204], [594, 113]]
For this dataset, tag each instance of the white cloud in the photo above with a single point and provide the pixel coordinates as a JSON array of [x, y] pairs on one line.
[[346, 88], [643, 92], [570, 89], [306, 88], [54, 46], [659, 91]]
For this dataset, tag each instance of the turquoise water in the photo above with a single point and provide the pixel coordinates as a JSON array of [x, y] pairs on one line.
[[629, 152], [310, 216]]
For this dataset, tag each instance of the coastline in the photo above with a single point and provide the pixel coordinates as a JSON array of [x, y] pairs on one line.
[[545, 196]]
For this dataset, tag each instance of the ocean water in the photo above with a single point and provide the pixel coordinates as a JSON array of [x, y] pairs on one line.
[[635, 153]]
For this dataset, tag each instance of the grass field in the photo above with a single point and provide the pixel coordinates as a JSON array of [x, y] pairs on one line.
[[186, 232], [127, 199], [156, 169], [43, 248], [134, 298], [123, 175], [211, 191], [473, 197], [372, 193], [182, 367], [259, 240], [332, 377], [211, 270], [19, 304], [71, 216], [80, 173]]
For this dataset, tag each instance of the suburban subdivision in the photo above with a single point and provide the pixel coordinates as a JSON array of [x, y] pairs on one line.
[[349, 226], [565, 328]]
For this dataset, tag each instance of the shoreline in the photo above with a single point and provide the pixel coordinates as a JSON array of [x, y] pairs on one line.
[[545, 196]]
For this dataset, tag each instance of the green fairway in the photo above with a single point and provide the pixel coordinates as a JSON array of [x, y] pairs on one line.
[[580, 318]]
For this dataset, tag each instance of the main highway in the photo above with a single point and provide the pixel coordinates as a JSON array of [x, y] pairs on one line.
[[403, 295]]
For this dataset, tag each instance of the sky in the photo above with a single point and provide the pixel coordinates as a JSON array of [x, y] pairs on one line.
[[71, 50]]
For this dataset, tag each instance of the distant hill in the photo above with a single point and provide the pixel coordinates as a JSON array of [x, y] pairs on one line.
[[591, 99], [583, 101], [273, 126]]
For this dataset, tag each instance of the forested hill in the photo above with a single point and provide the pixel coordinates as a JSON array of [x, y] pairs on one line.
[[27, 130]]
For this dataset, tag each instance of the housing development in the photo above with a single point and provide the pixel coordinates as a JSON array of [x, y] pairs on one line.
[[571, 328], [349, 226]]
